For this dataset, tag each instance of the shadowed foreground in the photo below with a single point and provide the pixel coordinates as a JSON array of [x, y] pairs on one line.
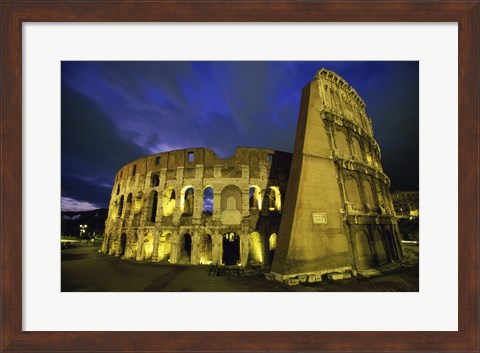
[[87, 270]]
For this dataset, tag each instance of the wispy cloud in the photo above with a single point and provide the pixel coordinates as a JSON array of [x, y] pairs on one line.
[[69, 204]]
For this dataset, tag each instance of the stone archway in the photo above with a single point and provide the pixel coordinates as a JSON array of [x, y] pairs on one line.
[[254, 198], [148, 247], [187, 197], [120, 207], [207, 205], [272, 200], [123, 244], [165, 247], [364, 254], [186, 249], [206, 250], [168, 201], [231, 249], [379, 247], [152, 206]]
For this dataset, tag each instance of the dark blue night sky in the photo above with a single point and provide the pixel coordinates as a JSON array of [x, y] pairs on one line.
[[115, 112]]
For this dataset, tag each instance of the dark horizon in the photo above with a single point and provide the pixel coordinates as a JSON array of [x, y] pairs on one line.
[[115, 112]]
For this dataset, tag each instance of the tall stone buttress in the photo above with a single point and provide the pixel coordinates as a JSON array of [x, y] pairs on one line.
[[338, 214]]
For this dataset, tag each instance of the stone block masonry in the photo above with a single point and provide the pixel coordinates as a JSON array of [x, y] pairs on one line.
[[338, 214]]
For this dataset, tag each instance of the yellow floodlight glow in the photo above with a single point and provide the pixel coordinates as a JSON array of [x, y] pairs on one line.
[[256, 248]]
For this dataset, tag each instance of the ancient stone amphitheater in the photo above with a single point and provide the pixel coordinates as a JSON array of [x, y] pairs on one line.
[[191, 207]]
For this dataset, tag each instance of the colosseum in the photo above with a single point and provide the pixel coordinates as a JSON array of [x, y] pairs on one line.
[[336, 216], [191, 207]]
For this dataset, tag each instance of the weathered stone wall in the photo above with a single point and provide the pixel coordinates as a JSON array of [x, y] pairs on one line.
[[157, 212], [338, 214]]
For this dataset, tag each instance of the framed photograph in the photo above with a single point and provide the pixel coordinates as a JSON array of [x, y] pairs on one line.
[[204, 192], [47, 43]]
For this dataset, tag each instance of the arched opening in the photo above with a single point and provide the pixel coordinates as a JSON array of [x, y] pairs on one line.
[[122, 245], [153, 206], [256, 249], [148, 247], [120, 207], [231, 198], [367, 187], [187, 200], [168, 202], [273, 200], [137, 207], [128, 207], [135, 243], [118, 189], [165, 246], [254, 198], [379, 247], [186, 248], [364, 255], [207, 200], [231, 249], [357, 150], [272, 245], [206, 247], [155, 180], [342, 143], [352, 190]]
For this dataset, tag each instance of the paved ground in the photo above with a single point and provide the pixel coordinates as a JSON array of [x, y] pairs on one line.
[[87, 270]]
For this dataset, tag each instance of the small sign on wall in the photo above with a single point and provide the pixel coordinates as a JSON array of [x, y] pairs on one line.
[[319, 218]]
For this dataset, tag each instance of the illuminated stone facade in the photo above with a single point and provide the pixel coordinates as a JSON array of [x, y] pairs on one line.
[[191, 207], [338, 215]]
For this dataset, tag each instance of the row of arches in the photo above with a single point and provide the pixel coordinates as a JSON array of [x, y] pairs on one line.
[[131, 203], [373, 249], [268, 199], [349, 145], [360, 191], [205, 249]]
